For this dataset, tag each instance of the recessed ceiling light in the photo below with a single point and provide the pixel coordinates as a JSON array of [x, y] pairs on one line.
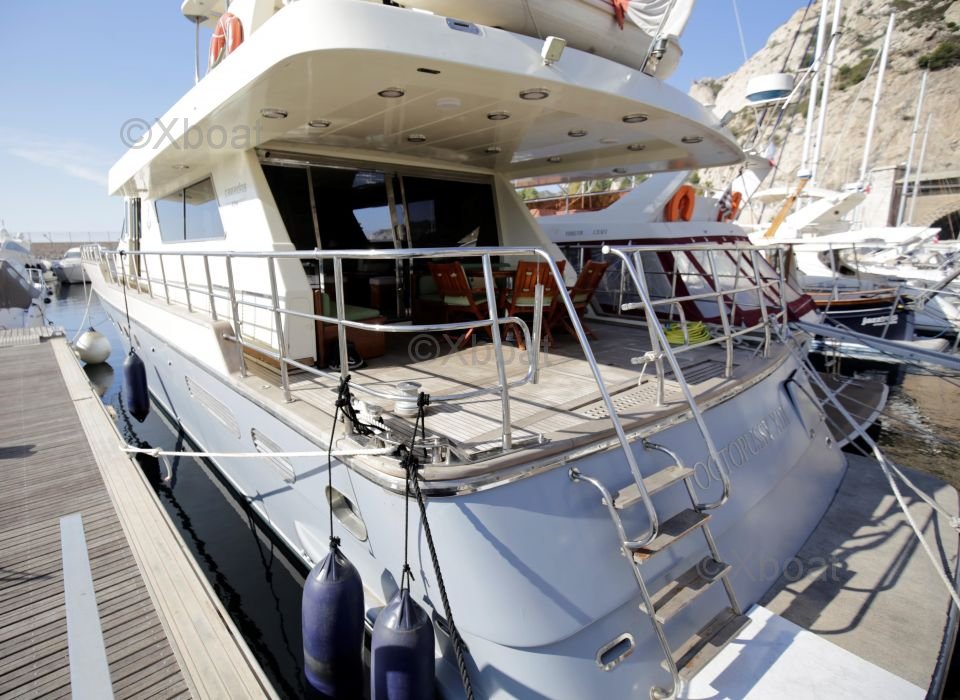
[[609, 141], [273, 113], [318, 123], [493, 149], [692, 139], [448, 103], [181, 166], [577, 133], [498, 116], [620, 171], [416, 138], [635, 118], [636, 147], [554, 159], [535, 94], [392, 92]]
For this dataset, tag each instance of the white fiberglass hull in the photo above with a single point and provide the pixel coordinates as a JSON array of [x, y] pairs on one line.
[[71, 273], [532, 567]]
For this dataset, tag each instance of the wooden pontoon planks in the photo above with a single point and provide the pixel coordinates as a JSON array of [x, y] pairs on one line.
[[211, 653]]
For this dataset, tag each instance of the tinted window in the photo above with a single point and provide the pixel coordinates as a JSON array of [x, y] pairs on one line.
[[202, 213], [371, 208], [170, 216], [445, 213], [190, 214]]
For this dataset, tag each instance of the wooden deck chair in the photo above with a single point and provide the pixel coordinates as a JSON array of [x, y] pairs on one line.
[[581, 294], [521, 299], [458, 297]]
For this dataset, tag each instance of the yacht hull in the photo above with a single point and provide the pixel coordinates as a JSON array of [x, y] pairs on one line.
[[532, 567]]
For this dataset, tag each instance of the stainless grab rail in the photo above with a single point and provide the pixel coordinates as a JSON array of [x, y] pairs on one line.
[[630, 260]]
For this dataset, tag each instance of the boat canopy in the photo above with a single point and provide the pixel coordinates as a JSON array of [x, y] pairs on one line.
[[386, 84]]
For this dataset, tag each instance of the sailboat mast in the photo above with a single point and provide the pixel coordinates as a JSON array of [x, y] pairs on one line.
[[916, 183], [876, 101], [913, 143], [814, 86], [827, 78]]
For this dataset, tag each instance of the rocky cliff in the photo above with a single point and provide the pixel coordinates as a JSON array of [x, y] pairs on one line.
[[926, 35]]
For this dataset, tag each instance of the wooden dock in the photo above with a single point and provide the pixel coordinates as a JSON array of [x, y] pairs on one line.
[[99, 596]]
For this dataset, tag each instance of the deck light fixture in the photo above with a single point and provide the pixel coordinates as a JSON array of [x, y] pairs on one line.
[[318, 123], [416, 138], [492, 149], [692, 139], [534, 94], [636, 147], [552, 50], [498, 116], [273, 113], [635, 118], [392, 92], [620, 171], [577, 133]]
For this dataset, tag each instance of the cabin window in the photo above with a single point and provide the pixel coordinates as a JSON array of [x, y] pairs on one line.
[[338, 207], [190, 214]]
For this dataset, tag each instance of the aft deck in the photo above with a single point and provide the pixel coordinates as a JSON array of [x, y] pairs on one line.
[[564, 410]]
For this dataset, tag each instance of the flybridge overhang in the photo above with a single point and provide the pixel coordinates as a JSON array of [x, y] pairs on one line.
[[379, 83]]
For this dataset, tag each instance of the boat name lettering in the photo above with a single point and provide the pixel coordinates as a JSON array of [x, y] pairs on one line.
[[233, 190], [739, 451], [879, 320]]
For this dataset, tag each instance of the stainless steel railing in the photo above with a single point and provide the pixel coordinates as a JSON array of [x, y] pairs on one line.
[[215, 292], [768, 290]]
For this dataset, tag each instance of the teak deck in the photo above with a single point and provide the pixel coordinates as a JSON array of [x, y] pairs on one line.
[[154, 618]]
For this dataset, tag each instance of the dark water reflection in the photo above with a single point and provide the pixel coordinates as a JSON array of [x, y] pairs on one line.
[[257, 583]]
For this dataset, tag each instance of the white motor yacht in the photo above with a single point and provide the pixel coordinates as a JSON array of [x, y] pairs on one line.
[[69, 269], [607, 511], [22, 287]]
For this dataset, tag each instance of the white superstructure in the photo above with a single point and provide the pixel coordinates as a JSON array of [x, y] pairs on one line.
[[298, 202]]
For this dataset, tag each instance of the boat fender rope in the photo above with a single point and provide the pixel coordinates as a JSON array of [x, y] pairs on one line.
[[345, 405], [342, 390], [412, 465]]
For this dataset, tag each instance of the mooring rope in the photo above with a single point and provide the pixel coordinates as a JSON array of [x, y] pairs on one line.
[[410, 461], [159, 452], [890, 471]]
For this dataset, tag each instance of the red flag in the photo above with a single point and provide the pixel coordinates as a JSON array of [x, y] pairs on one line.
[[620, 10]]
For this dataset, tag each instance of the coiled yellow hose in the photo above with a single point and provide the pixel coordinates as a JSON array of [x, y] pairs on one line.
[[696, 331]]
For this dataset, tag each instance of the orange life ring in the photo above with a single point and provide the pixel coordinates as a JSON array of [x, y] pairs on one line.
[[680, 206], [735, 199], [227, 36]]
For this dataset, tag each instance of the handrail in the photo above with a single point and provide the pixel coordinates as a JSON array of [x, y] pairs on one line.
[[274, 308], [494, 323], [664, 349]]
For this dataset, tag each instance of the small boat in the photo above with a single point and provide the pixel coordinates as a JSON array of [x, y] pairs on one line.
[[22, 288], [69, 268]]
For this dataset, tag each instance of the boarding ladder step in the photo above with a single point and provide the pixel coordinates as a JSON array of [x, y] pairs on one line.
[[674, 529], [704, 645], [686, 588], [654, 483]]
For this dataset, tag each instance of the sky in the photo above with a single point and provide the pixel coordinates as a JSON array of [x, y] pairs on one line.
[[74, 72]]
